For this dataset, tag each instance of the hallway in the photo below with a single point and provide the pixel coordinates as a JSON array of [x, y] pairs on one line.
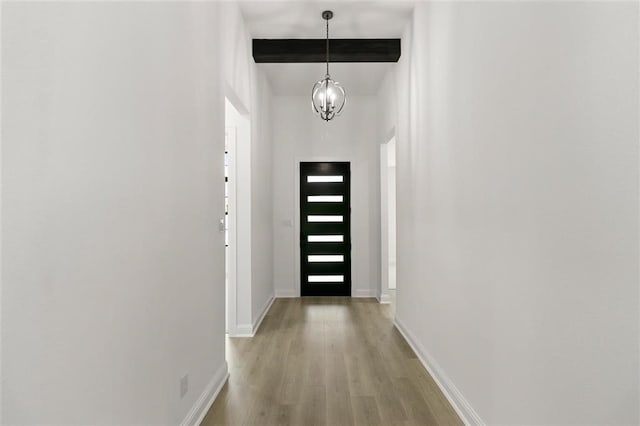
[[327, 361], [170, 190]]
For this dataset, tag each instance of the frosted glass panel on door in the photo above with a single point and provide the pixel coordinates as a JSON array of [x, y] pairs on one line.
[[324, 179], [325, 238], [325, 278], [321, 218], [325, 258], [325, 198]]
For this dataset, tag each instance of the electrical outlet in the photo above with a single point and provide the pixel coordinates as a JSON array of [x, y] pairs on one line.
[[184, 385]]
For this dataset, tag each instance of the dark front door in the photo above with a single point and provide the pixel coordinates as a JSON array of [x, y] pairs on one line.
[[325, 229]]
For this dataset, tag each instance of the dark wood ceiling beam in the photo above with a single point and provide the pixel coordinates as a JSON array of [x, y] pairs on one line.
[[314, 50]]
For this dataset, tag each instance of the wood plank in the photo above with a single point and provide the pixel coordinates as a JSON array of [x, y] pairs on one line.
[[327, 361], [365, 411], [312, 410]]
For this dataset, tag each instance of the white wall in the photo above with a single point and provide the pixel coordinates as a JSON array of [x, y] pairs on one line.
[[262, 289], [517, 133], [298, 135], [112, 144], [248, 89]]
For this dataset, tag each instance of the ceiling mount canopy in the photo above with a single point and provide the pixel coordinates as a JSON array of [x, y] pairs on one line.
[[327, 96]]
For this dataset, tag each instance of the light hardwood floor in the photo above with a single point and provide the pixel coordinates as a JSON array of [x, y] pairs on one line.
[[327, 361]]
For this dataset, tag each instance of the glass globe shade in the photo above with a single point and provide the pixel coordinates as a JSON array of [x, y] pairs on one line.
[[327, 98]]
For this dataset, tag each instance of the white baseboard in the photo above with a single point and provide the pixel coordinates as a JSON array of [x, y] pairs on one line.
[[242, 330], [263, 313], [359, 292], [250, 330], [364, 292], [384, 298], [202, 405], [284, 293], [459, 403]]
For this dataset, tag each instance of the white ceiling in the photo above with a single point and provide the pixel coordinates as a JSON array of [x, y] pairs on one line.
[[302, 19]]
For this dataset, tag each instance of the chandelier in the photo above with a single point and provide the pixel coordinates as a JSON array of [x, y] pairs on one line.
[[327, 96]]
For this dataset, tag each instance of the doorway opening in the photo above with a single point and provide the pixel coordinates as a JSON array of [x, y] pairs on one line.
[[388, 220], [237, 215], [229, 217], [325, 229]]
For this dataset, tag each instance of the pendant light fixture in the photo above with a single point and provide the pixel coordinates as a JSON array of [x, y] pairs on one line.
[[327, 96]]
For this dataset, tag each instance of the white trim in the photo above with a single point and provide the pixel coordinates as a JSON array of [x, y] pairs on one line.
[[384, 219], [263, 313], [384, 298], [364, 292], [203, 404], [385, 204], [234, 99], [391, 133], [239, 303], [285, 293], [250, 330], [357, 293], [459, 403], [231, 252], [242, 330]]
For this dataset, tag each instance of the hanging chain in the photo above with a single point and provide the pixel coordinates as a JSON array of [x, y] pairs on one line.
[[327, 47]]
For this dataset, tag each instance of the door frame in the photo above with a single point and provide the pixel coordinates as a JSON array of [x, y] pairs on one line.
[[296, 209], [231, 252], [327, 289], [238, 308], [385, 297]]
